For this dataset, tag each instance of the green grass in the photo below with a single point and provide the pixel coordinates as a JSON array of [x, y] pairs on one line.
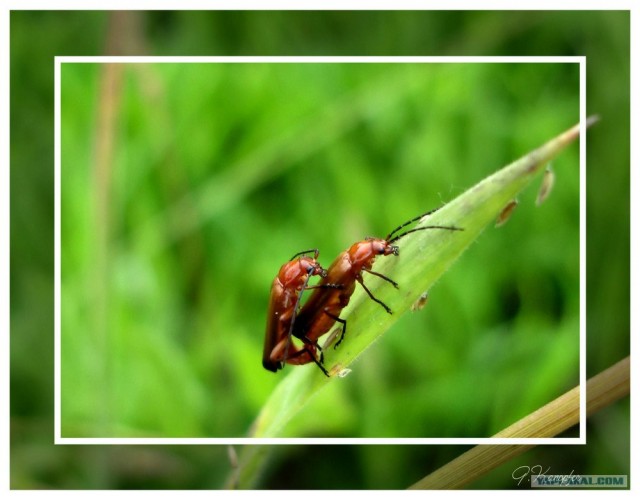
[[220, 172]]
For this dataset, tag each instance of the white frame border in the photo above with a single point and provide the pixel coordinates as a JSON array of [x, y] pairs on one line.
[[59, 60]]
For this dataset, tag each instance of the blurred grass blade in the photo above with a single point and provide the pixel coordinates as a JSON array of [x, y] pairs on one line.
[[270, 160], [424, 257]]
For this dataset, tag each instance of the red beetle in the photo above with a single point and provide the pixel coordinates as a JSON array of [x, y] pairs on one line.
[[286, 290], [322, 309]]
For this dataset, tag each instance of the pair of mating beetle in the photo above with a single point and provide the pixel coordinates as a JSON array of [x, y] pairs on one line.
[[322, 310]]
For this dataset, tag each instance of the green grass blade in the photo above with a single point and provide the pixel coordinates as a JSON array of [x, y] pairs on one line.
[[424, 257]]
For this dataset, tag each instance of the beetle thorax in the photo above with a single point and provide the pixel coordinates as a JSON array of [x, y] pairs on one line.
[[294, 273], [363, 253]]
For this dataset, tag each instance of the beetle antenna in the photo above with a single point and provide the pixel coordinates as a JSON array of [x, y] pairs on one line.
[[314, 250], [409, 222], [450, 228]]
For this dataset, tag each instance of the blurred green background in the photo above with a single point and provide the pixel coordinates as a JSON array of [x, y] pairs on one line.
[[185, 187], [173, 229]]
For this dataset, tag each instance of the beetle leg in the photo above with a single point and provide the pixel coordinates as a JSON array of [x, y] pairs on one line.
[[386, 308], [343, 322], [327, 285], [344, 330], [308, 341], [296, 356], [381, 276], [318, 363]]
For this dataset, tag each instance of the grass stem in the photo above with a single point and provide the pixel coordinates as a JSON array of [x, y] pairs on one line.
[[560, 414]]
